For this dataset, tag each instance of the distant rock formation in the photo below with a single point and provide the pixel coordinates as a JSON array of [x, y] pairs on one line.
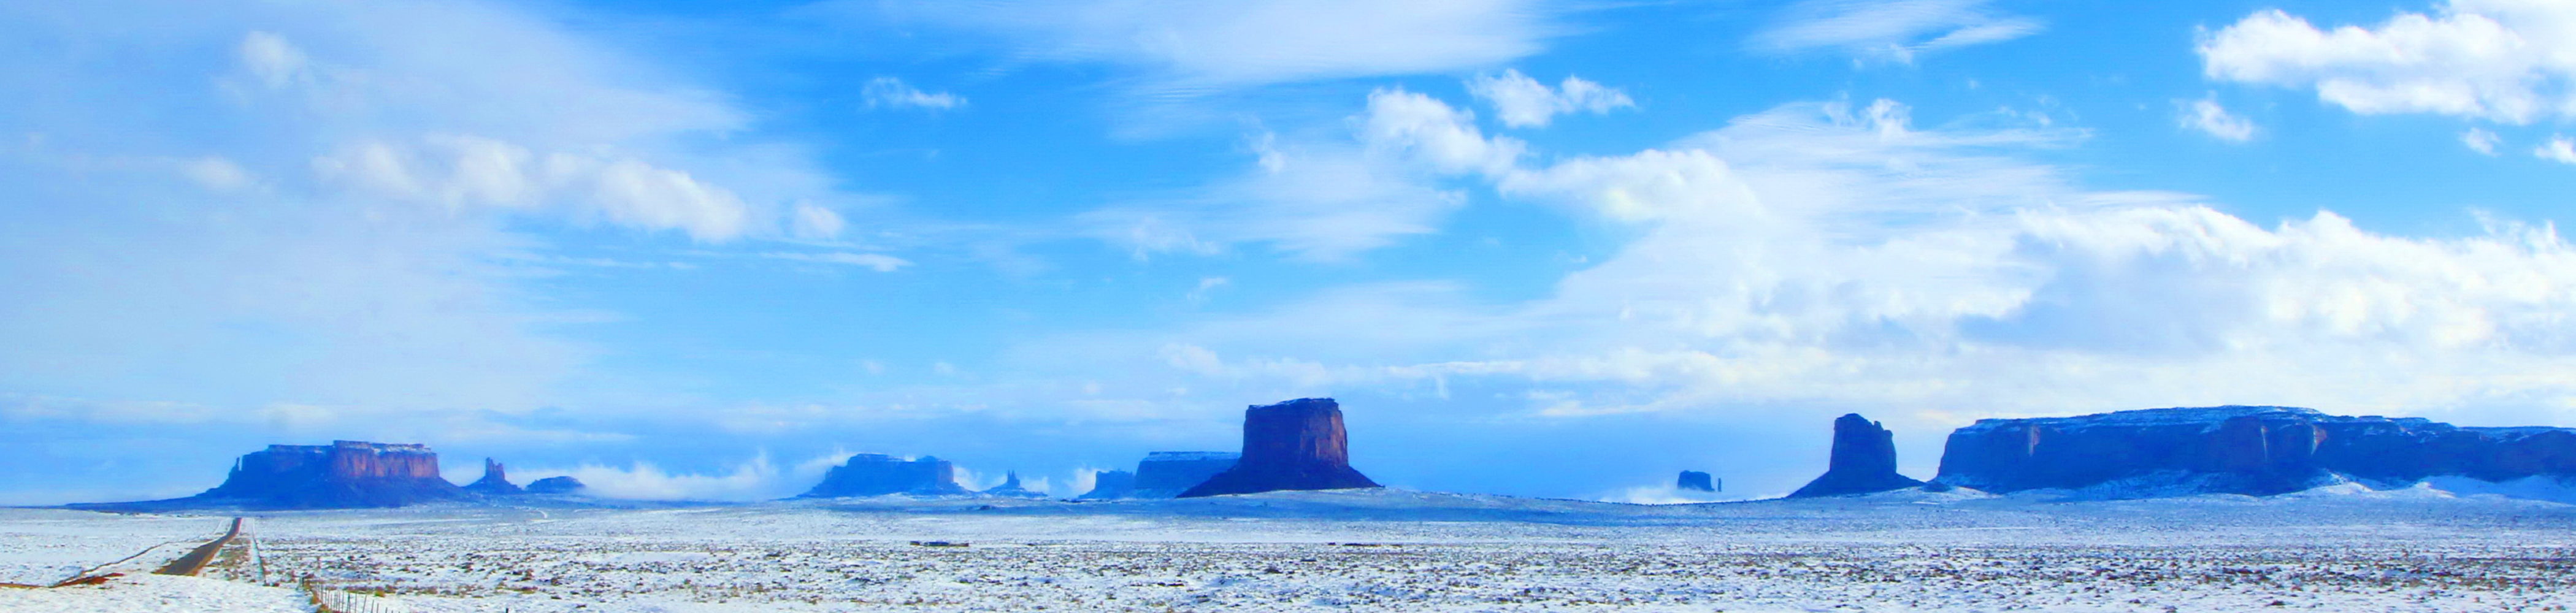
[[1010, 488], [341, 475], [1110, 485], [2258, 450], [1863, 461], [870, 474], [1165, 474], [556, 485], [1295, 445], [1696, 481], [495, 482]]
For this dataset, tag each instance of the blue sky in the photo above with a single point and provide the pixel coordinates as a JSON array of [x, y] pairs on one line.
[[1558, 249]]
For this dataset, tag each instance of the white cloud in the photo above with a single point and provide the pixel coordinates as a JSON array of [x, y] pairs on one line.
[[1895, 30], [1523, 102], [339, 205], [874, 261], [1416, 127], [270, 58], [2500, 60], [754, 479], [2480, 140], [811, 221], [2559, 149], [1822, 254], [1191, 48], [474, 171], [1326, 200], [893, 93], [2209, 118], [216, 173]]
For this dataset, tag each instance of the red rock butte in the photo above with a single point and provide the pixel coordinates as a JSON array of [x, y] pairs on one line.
[[1295, 445]]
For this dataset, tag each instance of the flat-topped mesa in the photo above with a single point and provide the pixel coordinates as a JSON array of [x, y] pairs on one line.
[[872, 474], [1295, 445], [343, 474], [1110, 485], [495, 481], [555, 485], [1165, 474], [1695, 481], [2258, 450], [1863, 461]]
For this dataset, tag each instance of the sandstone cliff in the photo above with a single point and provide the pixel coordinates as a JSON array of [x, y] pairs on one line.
[[2240, 449], [1110, 485], [1165, 474], [343, 474], [870, 474], [1863, 461], [1295, 445]]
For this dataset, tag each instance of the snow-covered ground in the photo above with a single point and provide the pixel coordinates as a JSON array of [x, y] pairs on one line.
[[42, 546], [2416, 549]]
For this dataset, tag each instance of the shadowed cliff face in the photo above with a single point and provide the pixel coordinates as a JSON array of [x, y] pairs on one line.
[[1110, 484], [1165, 474], [1863, 461], [344, 474], [2242, 450], [1293, 445], [1695, 481]]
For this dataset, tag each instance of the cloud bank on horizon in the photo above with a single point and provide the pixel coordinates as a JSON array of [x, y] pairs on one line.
[[1534, 248]]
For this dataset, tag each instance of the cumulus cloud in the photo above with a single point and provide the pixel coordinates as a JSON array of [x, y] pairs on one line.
[[893, 93], [1837, 254], [1523, 102], [2500, 60], [1894, 30], [2206, 116], [2559, 149]]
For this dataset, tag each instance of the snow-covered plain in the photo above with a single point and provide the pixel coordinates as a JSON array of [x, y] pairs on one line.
[[2345, 549]]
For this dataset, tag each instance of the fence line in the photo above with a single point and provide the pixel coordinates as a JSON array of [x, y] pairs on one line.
[[339, 601]]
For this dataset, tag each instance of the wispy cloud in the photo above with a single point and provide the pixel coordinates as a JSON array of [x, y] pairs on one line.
[[1894, 30], [873, 261], [1194, 48], [893, 93], [2480, 140]]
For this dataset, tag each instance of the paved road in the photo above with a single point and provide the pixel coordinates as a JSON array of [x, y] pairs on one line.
[[197, 558]]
